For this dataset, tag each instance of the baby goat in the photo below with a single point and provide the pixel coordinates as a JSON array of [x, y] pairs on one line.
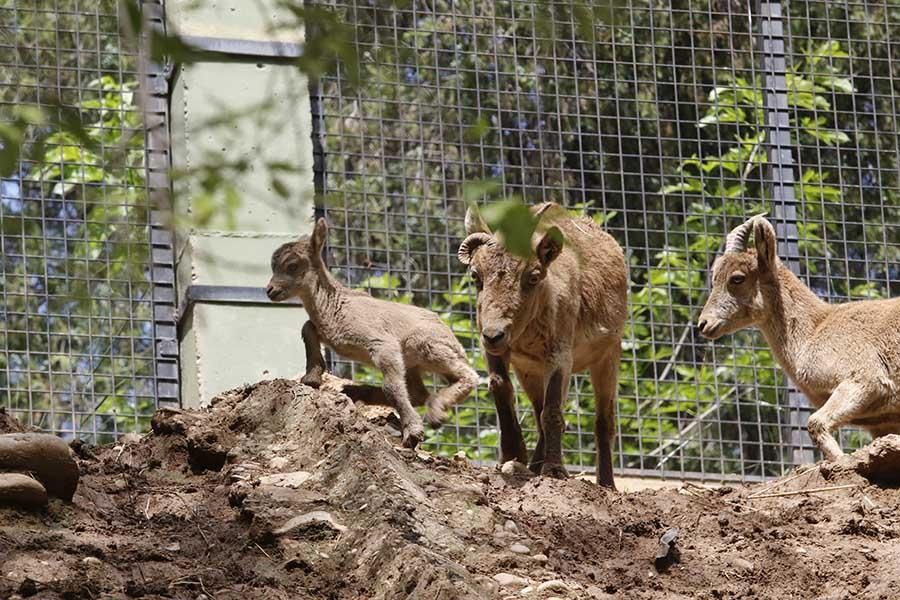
[[401, 340], [844, 357]]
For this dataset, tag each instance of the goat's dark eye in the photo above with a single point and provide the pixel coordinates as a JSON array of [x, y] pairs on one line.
[[292, 268], [534, 277], [737, 279]]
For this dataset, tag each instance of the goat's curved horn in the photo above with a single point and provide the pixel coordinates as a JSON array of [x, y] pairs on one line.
[[474, 222], [470, 245], [737, 239]]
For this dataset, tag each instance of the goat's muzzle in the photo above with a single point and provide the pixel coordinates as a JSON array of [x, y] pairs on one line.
[[710, 328], [275, 294], [494, 340]]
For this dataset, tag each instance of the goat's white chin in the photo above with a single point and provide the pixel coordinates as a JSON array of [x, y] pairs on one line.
[[714, 331], [495, 350]]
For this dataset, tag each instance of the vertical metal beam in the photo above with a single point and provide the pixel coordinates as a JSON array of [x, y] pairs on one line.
[[319, 165], [155, 90], [781, 181]]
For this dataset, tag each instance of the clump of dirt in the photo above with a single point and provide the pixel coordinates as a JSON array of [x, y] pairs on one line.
[[282, 491]]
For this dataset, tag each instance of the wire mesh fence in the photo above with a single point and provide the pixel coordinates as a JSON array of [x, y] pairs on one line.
[[77, 350], [669, 122]]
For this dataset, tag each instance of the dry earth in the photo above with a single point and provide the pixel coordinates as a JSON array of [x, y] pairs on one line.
[[280, 491]]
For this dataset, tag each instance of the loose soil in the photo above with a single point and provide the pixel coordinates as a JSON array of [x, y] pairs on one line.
[[280, 491]]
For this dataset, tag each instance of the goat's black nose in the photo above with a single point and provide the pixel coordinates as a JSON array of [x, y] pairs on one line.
[[493, 336], [701, 325], [270, 291]]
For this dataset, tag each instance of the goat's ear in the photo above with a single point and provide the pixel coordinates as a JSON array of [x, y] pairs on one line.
[[764, 238], [470, 245], [550, 246], [319, 235], [474, 222]]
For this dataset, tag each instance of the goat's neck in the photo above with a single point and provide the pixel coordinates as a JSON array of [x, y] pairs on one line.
[[791, 314], [322, 295]]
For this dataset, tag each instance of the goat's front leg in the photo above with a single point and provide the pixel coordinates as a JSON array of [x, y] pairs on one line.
[[315, 362], [534, 388], [390, 360], [553, 424], [512, 445], [847, 401]]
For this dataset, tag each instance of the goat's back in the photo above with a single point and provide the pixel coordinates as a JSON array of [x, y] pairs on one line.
[[600, 268]]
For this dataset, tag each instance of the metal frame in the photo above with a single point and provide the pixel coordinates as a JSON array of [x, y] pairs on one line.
[[93, 363], [416, 143], [782, 183], [155, 98]]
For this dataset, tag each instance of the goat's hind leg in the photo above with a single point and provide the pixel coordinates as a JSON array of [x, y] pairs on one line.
[[849, 400], [462, 380], [605, 381]]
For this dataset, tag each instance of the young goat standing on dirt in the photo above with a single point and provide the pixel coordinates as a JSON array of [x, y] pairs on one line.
[[401, 340], [844, 357], [555, 314]]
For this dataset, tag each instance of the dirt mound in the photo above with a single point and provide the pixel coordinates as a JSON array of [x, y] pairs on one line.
[[281, 491]]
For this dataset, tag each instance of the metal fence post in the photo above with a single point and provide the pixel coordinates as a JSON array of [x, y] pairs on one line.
[[155, 94], [781, 180]]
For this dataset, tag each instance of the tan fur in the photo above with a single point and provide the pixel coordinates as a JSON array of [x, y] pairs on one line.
[[558, 313], [844, 357], [402, 341]]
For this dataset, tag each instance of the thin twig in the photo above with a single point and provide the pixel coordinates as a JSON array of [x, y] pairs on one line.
[[783, 481], [194, 515], [264, 552], [809, 491], [690, 488]]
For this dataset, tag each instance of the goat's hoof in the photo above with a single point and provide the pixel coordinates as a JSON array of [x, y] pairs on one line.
[[554, 471], [312, 381], [411, 438]]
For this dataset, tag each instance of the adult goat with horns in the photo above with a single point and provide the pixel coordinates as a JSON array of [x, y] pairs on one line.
[[844, 357], [558, 312]]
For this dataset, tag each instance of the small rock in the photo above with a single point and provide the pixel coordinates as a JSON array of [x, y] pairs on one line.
[[21, 490], [595, 593], [554, 585], [520, 548], [289, 480], [667, 553], [508, 580], [176, 547], [740, 563], [484, 478], [91, 561], [487, 584], [45, 456], [540, 558], [513, 467], [527, 590], [316, 516], [277, 463], [510, 525], [130, 438]]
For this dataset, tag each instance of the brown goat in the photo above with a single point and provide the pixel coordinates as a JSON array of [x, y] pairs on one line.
[[844, 357], [403, 341], [560, 312]]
